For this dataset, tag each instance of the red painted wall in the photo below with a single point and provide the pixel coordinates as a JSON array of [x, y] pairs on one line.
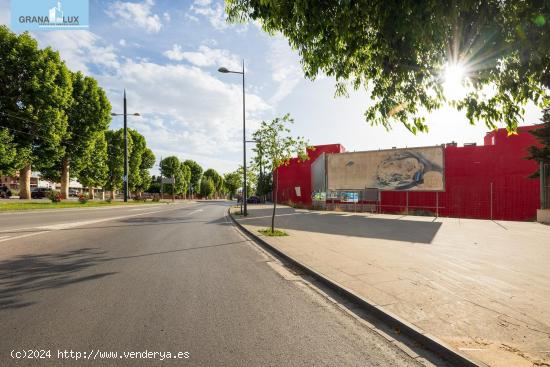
[[298, 174], [469, 174]]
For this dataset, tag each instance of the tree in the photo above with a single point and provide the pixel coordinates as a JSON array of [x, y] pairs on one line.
[[258, 165], [207, 187], [265, 184], [95, 171], [185, 178], [279, 147], [399, 51], [8, 153], [115, 159], [172, 167], [88, 114], [541, 154], [35, 92], [196, 174], [216, 179], [135, 157], [232, 182], [147, 162]]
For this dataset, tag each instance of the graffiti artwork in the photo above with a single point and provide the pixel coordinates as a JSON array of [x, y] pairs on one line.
[[406, 170], [419, 169]]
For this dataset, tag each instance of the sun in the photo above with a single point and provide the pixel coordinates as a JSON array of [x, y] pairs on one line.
[[454, 79]]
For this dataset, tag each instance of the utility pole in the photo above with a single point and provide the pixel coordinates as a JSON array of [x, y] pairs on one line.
[[161, 183], [244, 151], [125, 179], [225, 70]]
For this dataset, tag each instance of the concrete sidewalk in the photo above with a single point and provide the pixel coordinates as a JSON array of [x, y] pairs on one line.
[[483, 287]]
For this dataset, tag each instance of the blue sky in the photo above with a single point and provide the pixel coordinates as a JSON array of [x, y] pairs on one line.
[[166, 55]]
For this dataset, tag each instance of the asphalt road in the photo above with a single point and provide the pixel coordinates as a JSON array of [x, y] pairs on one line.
[[157, 279]]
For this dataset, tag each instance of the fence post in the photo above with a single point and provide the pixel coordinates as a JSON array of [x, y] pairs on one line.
[[491, 201], [543, 183]]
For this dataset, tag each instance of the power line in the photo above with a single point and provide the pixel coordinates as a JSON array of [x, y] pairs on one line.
[[35, 122]]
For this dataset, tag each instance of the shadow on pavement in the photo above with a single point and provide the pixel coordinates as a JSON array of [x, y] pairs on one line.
[[30, 273], [345, 224]]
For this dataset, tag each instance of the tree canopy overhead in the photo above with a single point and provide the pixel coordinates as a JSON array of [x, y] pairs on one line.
[[399, 50]]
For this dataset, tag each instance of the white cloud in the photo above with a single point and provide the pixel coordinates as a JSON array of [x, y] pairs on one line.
[[122, 42], [135, 14], [185, 111], [285, 68], [5, 12], [80, 49], [166, 16], [205, 56], [214, 13]]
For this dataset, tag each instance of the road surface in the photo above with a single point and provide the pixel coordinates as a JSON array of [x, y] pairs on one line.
[[126, 286]]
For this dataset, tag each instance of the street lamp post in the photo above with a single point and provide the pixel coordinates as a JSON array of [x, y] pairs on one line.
[[125, 178], [225, 70]]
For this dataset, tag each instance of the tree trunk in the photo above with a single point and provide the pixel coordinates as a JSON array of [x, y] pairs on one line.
[[112, 194], [274, 207], [91, 192], [102, 193], [65, 182], [25, 182]]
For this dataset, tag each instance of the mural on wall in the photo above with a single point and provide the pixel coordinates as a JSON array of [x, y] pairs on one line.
[[419, 169], [407, 170]]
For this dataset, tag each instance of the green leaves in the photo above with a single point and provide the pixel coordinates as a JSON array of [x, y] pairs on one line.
[[541, 153], [196, 173], [8, 153], [232, 181], [207, 187], [276, 145], [398, 50], [172, 167], [35, 92]]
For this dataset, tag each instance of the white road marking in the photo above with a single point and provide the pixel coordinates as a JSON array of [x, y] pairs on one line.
[[64, 210], [23, 235], [60, 226], [195, 211], [3, 237], [16, 229]]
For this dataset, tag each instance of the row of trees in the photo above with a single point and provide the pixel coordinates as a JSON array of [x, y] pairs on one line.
[[55, 121], [189, 179]]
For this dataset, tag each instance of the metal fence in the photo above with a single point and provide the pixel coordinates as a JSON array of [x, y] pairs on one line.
[[509, 198]]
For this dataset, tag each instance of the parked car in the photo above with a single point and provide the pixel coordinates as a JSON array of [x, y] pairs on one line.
[[253, 200], [40, 192], [73, 192], [5, 193]]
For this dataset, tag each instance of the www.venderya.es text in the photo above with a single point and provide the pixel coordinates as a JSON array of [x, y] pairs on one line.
[[95, 354]]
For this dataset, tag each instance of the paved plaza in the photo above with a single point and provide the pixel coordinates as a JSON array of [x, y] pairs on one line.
[[480, 286]]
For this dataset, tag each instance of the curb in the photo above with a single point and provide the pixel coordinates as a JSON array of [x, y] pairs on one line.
[[419, 336]]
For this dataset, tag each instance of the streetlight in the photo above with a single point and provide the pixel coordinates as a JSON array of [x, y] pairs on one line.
[[125, 178], [225, 70]]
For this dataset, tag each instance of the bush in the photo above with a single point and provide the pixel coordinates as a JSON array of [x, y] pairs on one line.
[[156, 198], [82, 199], [54, 196], [109, 200]]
